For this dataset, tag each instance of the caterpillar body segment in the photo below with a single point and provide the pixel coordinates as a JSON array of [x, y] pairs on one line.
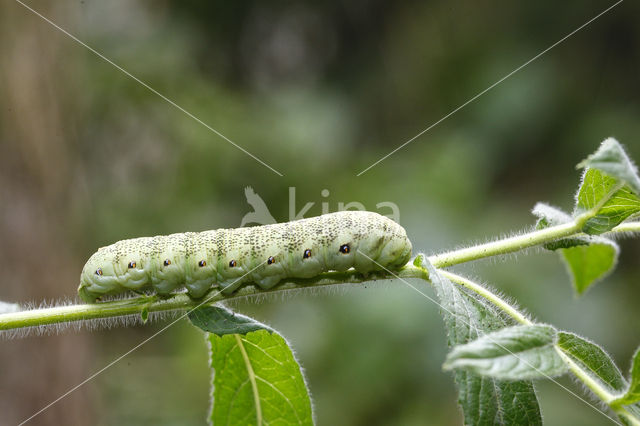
[[260, 255]]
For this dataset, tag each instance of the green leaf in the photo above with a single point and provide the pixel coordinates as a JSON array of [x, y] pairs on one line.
[[512, 353], [612, 201], [588, 258], [222, 321], [611, 159], [484, 400], [256, 381], [589, 263], [256, 378], [593, 360], [632, 395], [600, 368]]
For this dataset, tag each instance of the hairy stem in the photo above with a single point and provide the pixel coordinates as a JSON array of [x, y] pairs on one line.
[[584, 377], [138, 305], [486, 294], [506, 245]]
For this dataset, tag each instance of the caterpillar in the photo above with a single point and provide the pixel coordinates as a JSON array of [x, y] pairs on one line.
[[260, 255]]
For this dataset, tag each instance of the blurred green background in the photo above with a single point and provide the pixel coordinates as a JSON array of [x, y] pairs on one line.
[[319, 91]]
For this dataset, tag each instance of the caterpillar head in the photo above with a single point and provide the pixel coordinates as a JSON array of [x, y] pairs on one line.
[[97, 278], [375, 243], [112, 267], [396, 249]]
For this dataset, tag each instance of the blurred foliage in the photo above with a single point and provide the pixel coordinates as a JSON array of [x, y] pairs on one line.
[[319, 91]]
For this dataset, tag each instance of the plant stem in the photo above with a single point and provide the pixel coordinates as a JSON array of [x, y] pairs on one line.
[[504, 246], [584, 377], [483, 292], [63, 314], [625, 227]]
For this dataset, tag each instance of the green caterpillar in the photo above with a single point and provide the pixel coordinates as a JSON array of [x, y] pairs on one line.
[[261, 255]]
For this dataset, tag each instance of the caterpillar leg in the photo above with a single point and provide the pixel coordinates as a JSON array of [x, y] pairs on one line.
[[268, 282], [199, 288], [230, 286]]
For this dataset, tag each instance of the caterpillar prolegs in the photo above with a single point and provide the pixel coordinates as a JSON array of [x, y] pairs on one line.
[[260, 255]]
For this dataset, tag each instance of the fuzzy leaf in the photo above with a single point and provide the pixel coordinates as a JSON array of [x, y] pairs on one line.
[[594, 360], [589, 263], [588, 258], [632, 395], [614, 202], [221, 321], [512, 353], [599, 366], [611, 159], [484, 400], [256, 381], [256, 378]]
